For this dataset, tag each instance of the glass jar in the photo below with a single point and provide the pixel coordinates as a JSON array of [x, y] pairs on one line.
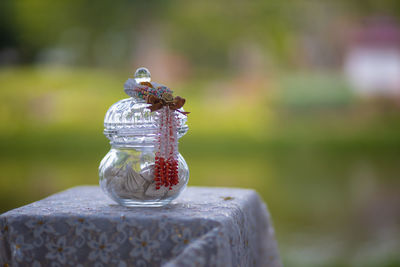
[[128, 172]]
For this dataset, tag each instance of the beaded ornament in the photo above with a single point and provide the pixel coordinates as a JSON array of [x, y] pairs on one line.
[[166, 107]]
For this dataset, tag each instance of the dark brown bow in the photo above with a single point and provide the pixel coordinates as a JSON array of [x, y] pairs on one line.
[[166, 100]]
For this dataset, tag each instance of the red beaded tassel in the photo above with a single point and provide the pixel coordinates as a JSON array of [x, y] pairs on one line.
[[166, 159]]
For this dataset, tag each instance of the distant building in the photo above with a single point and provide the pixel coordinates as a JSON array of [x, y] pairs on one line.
[[372, 63]]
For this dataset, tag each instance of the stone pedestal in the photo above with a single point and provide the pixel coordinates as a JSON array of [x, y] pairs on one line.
[[82, 227]]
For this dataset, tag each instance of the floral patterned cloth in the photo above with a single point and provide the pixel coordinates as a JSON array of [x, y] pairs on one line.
[[82, 227]]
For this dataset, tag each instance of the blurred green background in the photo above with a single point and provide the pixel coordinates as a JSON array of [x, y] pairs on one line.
[[299, 100]]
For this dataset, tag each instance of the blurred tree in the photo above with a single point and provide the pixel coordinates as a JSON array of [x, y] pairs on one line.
[[106, 33]]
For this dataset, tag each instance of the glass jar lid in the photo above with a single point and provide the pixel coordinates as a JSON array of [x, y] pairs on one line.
[[130, 122]]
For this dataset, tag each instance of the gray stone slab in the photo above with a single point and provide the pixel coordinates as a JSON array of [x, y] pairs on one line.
[[82, 227]]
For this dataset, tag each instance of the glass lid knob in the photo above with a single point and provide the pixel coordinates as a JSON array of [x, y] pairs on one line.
[[142, 75]]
